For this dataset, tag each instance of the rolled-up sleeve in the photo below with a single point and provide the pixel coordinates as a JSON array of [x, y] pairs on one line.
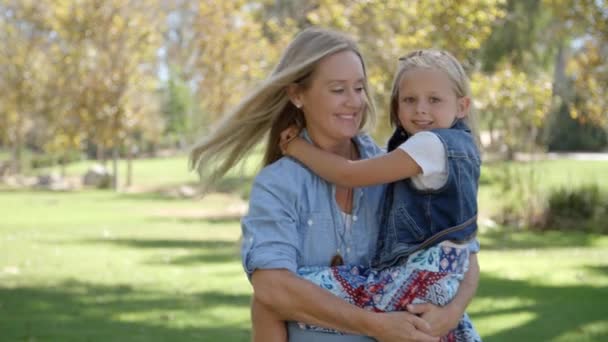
[[270, 238]]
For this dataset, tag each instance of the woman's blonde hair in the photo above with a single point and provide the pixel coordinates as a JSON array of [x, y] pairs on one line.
[[436, 60], [268, 109]]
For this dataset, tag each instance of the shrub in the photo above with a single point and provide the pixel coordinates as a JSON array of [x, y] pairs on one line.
[[42, 160], [584, 208], [523, 201]]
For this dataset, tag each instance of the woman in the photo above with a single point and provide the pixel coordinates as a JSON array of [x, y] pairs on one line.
[[294, 217]]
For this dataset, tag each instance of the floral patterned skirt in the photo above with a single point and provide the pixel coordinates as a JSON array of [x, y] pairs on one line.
[[431, 276]]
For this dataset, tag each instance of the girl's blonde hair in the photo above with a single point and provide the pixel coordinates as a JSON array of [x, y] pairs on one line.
[[268, 110], [437, 60]]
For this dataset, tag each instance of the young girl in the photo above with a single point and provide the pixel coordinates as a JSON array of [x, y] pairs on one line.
[[433, 166]]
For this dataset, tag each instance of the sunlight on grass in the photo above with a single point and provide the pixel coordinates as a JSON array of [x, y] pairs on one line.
[[561, 266], [593, 331], [497, 323], [485, 305]]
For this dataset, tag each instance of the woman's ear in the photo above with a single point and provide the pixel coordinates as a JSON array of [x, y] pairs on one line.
[[464, 104], [295, 95]]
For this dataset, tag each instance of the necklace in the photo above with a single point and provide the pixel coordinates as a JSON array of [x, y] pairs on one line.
[[337, 259]]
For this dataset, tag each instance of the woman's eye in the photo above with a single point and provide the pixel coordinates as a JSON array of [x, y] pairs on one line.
[[337, 90]]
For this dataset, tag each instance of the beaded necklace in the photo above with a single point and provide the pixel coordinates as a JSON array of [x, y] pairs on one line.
[[337, 259]]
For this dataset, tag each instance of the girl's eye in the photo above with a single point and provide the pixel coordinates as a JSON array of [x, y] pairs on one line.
[[337, 90], [359, 89], [409, 100], [435, 99]]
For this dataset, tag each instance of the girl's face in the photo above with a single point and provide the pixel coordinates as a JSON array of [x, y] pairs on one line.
[[428, 101], [335, 100]]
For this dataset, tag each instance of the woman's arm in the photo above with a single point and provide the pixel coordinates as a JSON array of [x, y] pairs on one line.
[[387, 168], [269, 251], [296, 299], [444, 319]]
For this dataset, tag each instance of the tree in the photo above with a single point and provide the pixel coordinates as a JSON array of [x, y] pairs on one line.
[[387, 30], [514, 103], [178, 108], [527, 38], [112, 46], [22, 64], [221, 51]]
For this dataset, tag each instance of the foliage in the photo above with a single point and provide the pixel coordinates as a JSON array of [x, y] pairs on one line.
[[77, 73], [587, 21], [522, 199], [77, 70], [513, 103], [575, 134], [524, 38], [178, 107], [583, 208], [519, 194], [387, 30], [590, 69], [23, 68], [221, 51]]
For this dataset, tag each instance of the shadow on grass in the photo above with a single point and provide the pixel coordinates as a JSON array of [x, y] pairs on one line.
[[153, 195], [506, 239], [77, 311], [602, 270], [555, 310], [198, 251], [234, 185]]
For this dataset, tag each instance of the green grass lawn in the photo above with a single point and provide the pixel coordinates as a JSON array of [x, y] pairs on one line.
[[96, 266]]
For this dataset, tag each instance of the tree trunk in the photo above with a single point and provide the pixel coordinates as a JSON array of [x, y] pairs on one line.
[[115, 168], [129, 165], [100, 151], [62, 162], [559, 74], [491, 130], [18, 150]]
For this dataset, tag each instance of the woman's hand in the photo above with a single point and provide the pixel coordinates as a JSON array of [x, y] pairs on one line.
[[402, 327], [288, 135], [440, 319]]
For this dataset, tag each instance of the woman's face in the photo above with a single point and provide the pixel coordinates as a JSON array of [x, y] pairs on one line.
[[335, 100]]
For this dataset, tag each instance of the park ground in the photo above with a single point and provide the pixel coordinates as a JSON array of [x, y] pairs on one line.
[[97, 265]]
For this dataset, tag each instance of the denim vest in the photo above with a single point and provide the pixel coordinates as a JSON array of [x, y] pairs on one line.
[[414, 219]]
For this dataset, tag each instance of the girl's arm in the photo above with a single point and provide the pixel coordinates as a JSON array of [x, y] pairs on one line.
[[387, 168], [269, 251]]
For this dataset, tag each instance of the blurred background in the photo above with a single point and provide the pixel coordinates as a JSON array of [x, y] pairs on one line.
[[105, 234]]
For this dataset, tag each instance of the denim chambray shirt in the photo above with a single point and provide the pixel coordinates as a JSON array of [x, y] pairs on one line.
[[294, 220]]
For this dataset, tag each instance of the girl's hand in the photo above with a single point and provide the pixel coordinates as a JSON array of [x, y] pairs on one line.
[[289, 134], [441, 319]]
